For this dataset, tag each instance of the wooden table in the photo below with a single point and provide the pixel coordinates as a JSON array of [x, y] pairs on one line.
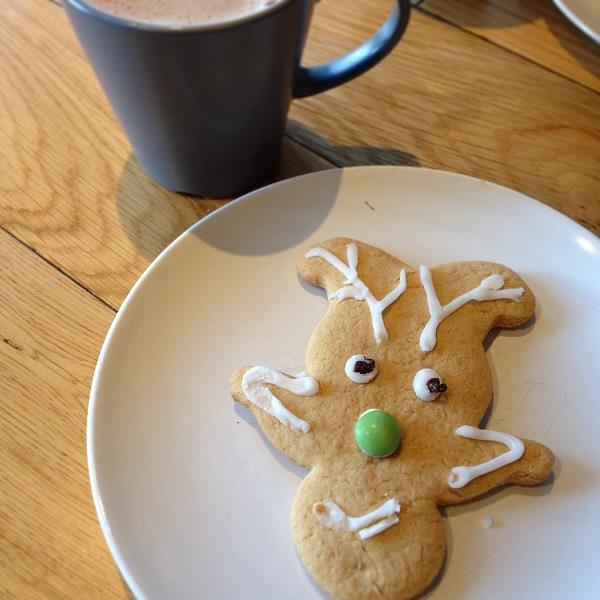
[[505, 90]]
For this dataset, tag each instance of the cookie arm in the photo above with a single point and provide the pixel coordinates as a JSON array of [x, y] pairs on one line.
[[533, 468], [280, 404]]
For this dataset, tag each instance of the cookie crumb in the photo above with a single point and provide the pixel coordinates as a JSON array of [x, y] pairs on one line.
[[488, 522]]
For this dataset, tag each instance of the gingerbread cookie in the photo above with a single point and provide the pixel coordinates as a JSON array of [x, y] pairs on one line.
[[387, 414]]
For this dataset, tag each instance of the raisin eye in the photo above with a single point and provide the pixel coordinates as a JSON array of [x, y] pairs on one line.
[[360, 368], [428, 384]]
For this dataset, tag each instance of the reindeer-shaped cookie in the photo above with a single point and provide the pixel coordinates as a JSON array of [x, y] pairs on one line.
[[387, 414]]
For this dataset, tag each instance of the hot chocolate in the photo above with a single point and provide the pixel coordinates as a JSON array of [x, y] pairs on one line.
[[181, 13]]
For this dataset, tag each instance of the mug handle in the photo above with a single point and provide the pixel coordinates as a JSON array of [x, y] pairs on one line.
[[313, 80]]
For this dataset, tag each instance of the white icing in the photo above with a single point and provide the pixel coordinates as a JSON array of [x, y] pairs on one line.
[[372, 523], [358, 377], [488, 522], [386, 523], [460, 476], [420, 384], [354, 287], [254, 386], [488, 289]]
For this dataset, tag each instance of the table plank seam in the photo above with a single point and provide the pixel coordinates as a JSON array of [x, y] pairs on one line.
[[304, 145], [59, 269], [424, 11]]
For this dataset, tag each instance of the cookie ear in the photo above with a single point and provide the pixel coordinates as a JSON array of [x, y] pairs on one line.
[[330, 264], [480, 295]]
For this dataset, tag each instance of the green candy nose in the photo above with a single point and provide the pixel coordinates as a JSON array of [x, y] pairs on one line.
[[377, 433]]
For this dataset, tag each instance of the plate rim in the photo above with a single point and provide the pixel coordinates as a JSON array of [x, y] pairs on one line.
[[113, 546]]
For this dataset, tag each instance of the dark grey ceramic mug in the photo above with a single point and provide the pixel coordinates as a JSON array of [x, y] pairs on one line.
[[204, 107]]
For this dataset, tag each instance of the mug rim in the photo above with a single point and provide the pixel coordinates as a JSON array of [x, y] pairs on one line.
[[86, 8]]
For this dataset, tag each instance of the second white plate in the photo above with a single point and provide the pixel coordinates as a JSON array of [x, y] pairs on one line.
[[584, 14]]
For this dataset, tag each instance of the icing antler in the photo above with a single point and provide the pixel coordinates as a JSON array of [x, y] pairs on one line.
[[356, 289], [488, 289]]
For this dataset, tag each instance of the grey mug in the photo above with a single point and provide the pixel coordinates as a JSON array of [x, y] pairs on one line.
[[205, 106]]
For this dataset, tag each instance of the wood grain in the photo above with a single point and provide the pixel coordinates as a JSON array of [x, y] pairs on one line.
[[69, 185], [450, 100], [51, 331], [535, 29]]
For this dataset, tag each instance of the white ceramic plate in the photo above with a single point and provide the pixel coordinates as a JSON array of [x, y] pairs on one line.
[[193, 501], [584, 14]]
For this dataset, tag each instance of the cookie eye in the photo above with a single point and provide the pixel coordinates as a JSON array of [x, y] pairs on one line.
[[428, 384], [360, 368]]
